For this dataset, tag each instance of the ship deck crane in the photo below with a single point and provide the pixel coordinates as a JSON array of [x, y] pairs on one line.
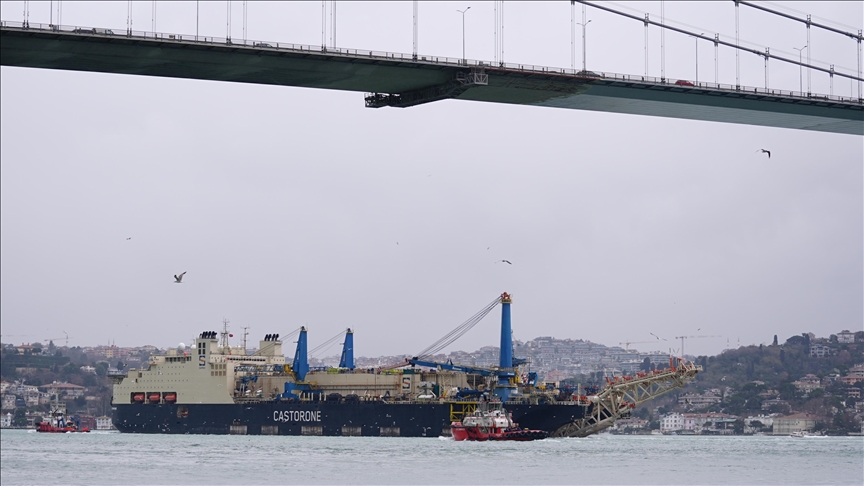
[[454, 367]]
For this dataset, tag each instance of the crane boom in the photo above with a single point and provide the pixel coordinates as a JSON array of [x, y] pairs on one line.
[[454, 367], [622, 394]]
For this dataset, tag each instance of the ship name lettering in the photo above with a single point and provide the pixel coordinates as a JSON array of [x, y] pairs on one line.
[[297, 416]]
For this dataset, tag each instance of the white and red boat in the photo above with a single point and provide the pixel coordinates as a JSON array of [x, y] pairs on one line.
[[59, 423], [494, 424]]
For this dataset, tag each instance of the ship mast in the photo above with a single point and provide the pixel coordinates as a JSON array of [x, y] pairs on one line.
[[245, 333], [224, 333]]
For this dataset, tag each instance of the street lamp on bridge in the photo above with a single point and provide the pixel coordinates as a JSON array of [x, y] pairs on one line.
[[584, 69], [463, 32], [800, 76]]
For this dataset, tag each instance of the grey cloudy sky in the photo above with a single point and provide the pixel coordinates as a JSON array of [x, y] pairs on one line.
[[291, 206]]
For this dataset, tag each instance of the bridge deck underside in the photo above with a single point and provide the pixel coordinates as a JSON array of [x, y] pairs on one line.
[[373, 74]]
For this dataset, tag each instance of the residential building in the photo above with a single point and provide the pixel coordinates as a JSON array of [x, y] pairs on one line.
[[104, 423], [699, 401], [70, 389], [819, 350], [8, 401], [800, 422], [671, 422], [6, 420], [845, 336], [808, 383]]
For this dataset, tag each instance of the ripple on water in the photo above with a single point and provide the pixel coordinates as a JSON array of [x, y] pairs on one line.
[[195, 459]]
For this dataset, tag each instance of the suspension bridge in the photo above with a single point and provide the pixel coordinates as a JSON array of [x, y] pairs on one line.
[[391, 79]]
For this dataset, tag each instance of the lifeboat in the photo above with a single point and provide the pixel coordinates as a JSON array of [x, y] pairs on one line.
[[155, 397], [170, 397], [138, 397]]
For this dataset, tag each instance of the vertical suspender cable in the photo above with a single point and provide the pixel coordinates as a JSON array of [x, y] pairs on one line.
[[767, 53], [737, 50], [808, 54], [646, 45], [662, 42], [414, 54], [584, 26], [716, 56], [859, 64], [573, 35], [501, 57], [333, 24]]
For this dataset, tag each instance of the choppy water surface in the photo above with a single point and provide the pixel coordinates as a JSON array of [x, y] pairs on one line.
[[112, 458]]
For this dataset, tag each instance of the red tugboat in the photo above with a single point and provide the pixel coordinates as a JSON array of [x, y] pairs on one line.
[[59, 424], [494, 424]]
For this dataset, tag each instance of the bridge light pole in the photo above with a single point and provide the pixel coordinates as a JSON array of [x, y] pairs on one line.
[[800, 75], [463, 32], [584, 64]]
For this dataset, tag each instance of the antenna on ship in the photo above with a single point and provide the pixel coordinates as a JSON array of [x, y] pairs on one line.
[[245, 333], [224, 334]]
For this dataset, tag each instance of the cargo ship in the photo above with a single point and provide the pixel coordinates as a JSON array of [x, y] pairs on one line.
[[220, 389]]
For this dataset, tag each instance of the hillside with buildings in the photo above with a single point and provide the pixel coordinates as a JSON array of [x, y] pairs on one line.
[[806, 382]]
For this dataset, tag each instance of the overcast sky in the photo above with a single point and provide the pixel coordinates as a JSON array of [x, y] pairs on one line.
[[292, 207]]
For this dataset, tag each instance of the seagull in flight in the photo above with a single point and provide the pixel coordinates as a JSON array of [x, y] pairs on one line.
[[129, 238], [504, 261], [656, 336], [179, 278], [766, 152]]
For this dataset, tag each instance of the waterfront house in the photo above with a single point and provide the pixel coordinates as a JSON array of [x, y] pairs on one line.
[[104, 423], [799, 422]]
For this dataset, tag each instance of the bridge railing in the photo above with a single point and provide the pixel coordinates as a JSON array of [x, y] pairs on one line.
[[683, 84]]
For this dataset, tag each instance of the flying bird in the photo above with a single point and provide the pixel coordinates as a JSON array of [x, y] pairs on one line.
[[179, 278], [766, 152], [504, 261], [656, 336], [129, 238]]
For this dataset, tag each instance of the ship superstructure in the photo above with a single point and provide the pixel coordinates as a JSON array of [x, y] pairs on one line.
[[217, 388]]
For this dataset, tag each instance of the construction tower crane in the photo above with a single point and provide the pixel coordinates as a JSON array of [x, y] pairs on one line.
[[628, 343], [66, 339], [682, 338]]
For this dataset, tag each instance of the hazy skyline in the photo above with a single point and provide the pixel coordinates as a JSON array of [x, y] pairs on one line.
[[290, 206]]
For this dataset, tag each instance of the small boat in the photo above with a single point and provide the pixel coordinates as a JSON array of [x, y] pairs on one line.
[[59, 423], [493, 424], [60, 426], [797, 433]]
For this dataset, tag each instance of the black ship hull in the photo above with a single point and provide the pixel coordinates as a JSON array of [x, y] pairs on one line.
[[361, 418]]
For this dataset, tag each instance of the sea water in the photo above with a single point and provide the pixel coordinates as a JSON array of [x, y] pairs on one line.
[[27, 457]]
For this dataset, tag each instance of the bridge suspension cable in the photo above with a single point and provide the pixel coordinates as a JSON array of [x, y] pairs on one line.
[[717, 41], [855, 36], [459, 331]]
